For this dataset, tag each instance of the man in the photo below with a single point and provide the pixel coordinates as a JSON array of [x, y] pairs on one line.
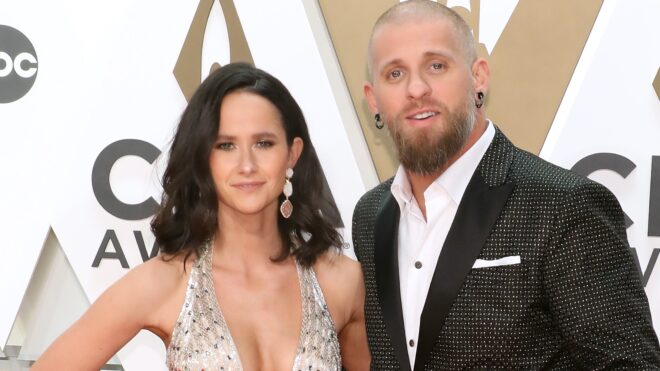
[[478, 255]]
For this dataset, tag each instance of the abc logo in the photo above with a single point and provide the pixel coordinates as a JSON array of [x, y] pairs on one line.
[[18, 64]]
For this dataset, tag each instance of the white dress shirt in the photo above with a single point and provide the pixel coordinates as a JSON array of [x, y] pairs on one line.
[[420, 241]]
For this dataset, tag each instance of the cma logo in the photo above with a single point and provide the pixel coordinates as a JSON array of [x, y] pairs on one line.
[[117, 208], [18, 64], [623, 167]]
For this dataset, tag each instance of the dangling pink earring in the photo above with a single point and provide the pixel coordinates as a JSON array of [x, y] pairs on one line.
[[287, 207]]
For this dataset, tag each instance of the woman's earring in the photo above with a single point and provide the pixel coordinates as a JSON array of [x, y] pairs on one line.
[[286, 208], [379, 123], [480, 99]]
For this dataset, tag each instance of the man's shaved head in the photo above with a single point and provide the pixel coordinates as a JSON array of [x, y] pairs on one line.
[[424, 10]]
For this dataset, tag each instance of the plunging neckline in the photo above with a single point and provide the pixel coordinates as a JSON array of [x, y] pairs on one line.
[[216, 307]]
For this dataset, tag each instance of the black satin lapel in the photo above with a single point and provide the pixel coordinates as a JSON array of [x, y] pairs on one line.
[[474, 220], [387, 276]]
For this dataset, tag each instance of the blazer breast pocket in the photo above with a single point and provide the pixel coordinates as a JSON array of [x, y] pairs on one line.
[[497, 282], [488, 263]]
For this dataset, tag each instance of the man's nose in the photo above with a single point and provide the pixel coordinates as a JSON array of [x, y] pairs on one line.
[[418, 86]]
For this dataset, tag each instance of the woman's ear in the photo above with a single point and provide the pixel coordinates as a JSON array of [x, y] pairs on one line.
[[295, 150]]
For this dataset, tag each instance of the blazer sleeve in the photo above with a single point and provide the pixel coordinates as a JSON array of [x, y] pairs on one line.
[[593, 286], [358, 220]]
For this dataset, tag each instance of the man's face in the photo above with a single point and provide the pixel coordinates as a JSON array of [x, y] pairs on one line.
[[423, 89]]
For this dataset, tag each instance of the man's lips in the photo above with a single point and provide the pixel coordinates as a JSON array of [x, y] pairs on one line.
[[422, 117], [247, 186]]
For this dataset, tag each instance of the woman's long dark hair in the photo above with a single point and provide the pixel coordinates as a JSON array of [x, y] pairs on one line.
[[188, 214]]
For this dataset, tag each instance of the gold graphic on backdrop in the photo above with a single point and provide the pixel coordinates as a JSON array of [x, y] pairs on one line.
[[531, 64], [188, 68], [656, 83]]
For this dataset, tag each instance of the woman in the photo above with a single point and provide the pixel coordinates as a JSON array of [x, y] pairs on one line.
[[249, 276]]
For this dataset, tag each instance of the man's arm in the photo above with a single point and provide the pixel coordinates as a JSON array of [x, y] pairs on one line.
[[593, 286], [358, 221]]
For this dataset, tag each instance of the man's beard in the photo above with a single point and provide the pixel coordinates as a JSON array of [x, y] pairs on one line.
[[425, 152]]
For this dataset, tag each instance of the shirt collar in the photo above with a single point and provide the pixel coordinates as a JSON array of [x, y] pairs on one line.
[[454, 180], [400, 188]]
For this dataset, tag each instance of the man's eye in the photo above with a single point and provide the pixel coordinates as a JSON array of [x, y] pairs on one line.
[[395, 74], [264, 144], [437, 66], [225, 146]]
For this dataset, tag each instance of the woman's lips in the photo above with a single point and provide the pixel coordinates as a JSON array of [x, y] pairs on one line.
[[247, 186]]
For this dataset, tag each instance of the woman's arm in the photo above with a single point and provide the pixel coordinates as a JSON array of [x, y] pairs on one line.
[[113, 320], [353, 336]]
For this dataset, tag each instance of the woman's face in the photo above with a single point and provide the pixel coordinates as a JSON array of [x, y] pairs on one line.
[[250, 155]]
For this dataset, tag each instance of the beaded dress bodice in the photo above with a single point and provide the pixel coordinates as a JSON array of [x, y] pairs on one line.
[[201, 339]]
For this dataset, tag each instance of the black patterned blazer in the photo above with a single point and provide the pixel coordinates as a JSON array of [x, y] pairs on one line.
[[574, 302]]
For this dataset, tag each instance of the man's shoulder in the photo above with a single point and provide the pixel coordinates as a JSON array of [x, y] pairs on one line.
[[375, 195], [528, 169], [504, 162], [368, 205], [545, 180]]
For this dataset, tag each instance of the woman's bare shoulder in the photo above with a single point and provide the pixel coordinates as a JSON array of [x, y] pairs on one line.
[[166, 264], [342, 268], [142, 298], [342, 283], [156, 290], [158, 277], [342, 276]]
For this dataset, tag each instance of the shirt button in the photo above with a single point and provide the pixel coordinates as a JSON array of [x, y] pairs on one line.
[[411, 342], [418, 264]]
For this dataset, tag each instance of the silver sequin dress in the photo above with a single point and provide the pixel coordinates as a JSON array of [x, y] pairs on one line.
[[201, 339]]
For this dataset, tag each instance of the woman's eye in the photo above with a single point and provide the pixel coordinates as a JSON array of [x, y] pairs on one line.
[[225, 146], [437, 66], [264, 144]]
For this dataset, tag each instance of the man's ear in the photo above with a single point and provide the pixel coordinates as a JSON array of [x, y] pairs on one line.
[[371, 98], [481, 75], [295, 150]]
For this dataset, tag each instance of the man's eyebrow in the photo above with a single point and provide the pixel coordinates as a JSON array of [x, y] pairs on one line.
[[438, 53], [389, 63]]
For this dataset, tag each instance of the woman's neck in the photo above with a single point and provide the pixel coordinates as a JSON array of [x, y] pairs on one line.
[[246, 240]]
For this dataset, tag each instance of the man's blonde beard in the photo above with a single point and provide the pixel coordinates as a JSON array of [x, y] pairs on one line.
[[427, 152]]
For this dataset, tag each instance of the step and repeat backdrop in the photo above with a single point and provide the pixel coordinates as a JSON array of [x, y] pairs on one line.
[[90, 93]]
